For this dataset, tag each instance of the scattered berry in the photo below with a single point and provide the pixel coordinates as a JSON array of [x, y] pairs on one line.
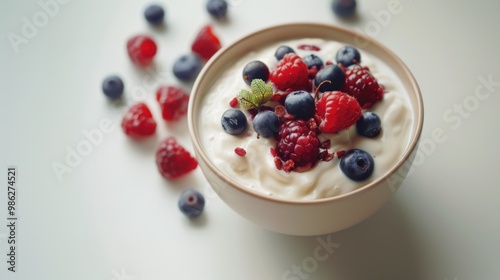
[[173, 160], [348, 56], [340, 153], [217, 8], [281, 51], [266, 124], [138, 121], [368, 125], [313, 60], [187, 67], [154, 14], [361, 84], [234, 121], [112, 87], [357, 164], [297, 143], [240, 151], [255, 70], [344, 8], [337, 111], [141, 50], [305, 47], [332, 73], [191, 203], [173, 102], [234, 103], [291, 73], [206, 43], [300, 104]]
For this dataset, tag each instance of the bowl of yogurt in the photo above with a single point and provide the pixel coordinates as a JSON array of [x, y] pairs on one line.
[[244, 169]]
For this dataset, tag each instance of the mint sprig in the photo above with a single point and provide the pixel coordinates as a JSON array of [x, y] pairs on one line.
[[261, 92]]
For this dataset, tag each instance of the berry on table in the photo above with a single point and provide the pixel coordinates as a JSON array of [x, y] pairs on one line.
[[187, 67], [173, 160], [291, 73], [357, 164], [266, 124], [361, 84], [300, 104], [313, 60], [154, 14], [141, 50], [337, 111], [206, 43], [173, 102], [255, 70], [298, 145], [113, 87], [191, 203], [138, 121], [344, 8], [281, 51], [234, 121], [332, 73], [368, 125], [348, 56], [217, 8]]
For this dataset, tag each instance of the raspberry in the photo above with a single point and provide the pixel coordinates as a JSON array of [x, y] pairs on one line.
[[141, 50], [173, 102], [138, 121], [206, 43], [292, 73], [173, 160], [336, 111], [361, 84], [298, 145]]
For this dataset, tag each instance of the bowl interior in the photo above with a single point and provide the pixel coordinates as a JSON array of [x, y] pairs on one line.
[[261, 38]]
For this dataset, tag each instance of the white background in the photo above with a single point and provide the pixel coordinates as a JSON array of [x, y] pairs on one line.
[[114, 217]]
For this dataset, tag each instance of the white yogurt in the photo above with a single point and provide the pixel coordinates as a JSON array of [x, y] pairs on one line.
[[257, 170]]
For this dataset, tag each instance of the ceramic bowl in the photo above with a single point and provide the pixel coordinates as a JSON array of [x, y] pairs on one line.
[[314, 217]]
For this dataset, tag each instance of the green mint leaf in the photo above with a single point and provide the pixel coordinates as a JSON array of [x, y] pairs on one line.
[[245, 100], [262, 91]]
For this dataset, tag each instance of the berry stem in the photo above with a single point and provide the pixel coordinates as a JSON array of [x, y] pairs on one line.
[[316, 95]]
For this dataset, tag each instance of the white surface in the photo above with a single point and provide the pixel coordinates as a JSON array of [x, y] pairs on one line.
[[114, 217]]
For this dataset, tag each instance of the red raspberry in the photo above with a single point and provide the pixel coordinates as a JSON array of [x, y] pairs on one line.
[[173, 160], [173, 102], [138, 121], [336, 111], [292, 73], [297, 143], [141, 50], [361, 84], [206, 43]]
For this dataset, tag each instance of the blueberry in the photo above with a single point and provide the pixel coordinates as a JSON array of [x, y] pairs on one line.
[[357, 165], [255, 70], [344, 8], [368, 125], [154, 14], [300, 104], [234, 121], [266, 124], [191, 203], [348, 56], [332, 73], [313, 60], [217, 8], [112, 87], [281, 51], [187, 67]]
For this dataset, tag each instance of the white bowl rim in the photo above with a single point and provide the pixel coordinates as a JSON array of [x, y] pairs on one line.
[[418, 107]]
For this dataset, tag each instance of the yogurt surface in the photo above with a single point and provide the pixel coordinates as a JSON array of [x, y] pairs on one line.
[[257, 171]]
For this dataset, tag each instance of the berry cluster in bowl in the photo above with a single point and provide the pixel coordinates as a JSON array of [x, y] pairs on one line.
[[304, 97], [305, 119]]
